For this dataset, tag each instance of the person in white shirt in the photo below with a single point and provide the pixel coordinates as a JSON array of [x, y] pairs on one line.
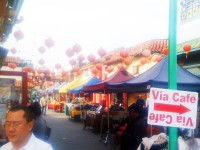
[[43, 104], [18, 128]]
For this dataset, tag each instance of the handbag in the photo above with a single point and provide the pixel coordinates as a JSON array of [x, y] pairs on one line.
[[47, 133]]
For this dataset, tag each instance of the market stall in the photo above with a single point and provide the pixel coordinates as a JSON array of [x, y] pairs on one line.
[[50, 89], [120, 76], [65, 89], [157, 76], [56, 89], [79, 89]]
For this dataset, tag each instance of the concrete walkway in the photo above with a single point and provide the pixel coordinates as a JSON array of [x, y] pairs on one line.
[[69, 134]]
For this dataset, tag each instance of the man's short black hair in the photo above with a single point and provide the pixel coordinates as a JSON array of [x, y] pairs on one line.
[[27, 113]]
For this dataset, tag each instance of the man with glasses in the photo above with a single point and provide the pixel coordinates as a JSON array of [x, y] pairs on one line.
[[18, 128]]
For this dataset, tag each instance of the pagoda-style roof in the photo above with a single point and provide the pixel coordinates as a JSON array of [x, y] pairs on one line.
[[12, 59], [155, 46]]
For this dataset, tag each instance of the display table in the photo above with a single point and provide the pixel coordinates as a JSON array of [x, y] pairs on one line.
[[59, 107], [50, 105]]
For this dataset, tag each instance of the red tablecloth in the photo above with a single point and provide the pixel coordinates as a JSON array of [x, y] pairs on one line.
[[50, 106]]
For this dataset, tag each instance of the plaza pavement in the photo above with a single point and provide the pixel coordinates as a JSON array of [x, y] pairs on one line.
[[68, 134]]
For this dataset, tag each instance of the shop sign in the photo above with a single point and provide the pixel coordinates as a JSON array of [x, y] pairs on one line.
[[173, 108]]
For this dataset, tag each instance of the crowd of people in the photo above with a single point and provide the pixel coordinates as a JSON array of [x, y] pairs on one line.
[[26, 128]]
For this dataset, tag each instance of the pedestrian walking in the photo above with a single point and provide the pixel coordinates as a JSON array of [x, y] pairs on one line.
[[43, 103], [40, 125]]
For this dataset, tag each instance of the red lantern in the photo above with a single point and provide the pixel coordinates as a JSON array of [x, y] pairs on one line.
[[76, 69], [49, 42], [69, 52], [187, 48], [109, 69], [13, 51], [12, 65], [101, 52], [99, 66], [149, 58], [181, 63], [94, 71], [42, 49], [58, 66], [91, 58], [165, 51], [124, 54], [18, 35], [128, 61], [72, 62], [76, 48], [143, 61], [81, 57], [41, 61], [158, 58], [79, 71], [28, 69]]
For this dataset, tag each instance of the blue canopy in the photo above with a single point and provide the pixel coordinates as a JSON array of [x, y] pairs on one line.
[[157, 76], [77, 90], [50, 89]]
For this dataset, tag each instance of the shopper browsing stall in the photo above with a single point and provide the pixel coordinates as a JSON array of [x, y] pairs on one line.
[[136, 128]]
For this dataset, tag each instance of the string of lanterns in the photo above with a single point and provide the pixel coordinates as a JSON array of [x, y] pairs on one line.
[[76, 49]]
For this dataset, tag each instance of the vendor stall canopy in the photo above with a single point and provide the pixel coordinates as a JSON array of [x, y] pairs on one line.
[[50, 89], [56, 89], [119, 77], [73, 84], [79, 89], [157, 76]]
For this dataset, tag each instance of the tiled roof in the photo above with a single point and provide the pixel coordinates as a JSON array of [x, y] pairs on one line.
[[155, 46], [12, 59]]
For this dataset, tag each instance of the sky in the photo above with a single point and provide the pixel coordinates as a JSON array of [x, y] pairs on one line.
[[110, 24]]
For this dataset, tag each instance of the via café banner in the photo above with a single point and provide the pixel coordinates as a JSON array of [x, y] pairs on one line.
[[172, 108]]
